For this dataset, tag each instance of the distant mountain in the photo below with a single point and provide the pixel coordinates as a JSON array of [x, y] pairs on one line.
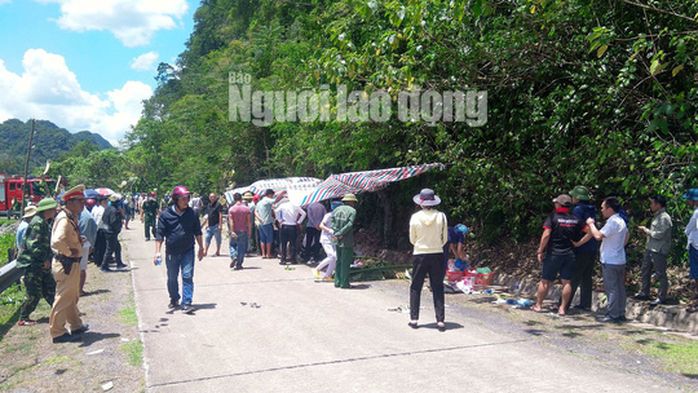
[[50, 141]]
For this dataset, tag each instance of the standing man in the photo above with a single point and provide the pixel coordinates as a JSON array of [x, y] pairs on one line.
[[316, 212], [100, 242], [289, 216], [556, 251], [691, 197], [214, 211], [658, 246], [29, 213], [585, 254], [67, 250], [35, 258], [263, 212], [342, 225], [248, 200], [88, 233], [196, 204], [179, 226], [112, 220], [428, 235], [149, 211], [240, 224], [613, 237]]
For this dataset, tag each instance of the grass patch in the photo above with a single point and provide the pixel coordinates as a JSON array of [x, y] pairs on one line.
[[681, 358], [10, 301], [56, 360], [134, 351], [128, 316], [7, 241]]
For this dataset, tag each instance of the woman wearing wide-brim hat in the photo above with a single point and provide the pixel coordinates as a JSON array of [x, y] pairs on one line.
[[428, 234]]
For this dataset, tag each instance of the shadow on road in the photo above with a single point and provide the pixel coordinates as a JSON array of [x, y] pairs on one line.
[[88, 338]]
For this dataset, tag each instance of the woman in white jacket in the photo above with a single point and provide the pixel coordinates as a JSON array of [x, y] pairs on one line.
[[428, 234]]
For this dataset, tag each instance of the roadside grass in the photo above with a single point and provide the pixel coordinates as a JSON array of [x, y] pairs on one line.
[[10, 301], [7, 241], [134, 352], [679, 357], [128, 316]]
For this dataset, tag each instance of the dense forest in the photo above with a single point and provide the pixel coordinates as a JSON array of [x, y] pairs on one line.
[[50, 143], [599, 93]]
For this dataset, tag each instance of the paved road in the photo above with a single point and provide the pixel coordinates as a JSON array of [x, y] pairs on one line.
[[268, 329]]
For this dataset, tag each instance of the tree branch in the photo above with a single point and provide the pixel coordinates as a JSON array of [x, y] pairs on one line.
[[661, 11]]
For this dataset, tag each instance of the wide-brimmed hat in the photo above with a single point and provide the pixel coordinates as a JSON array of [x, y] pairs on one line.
[[580, 192], [350, 198], [564, 200], [46, 204], [426, 197], [248, 196], [691, 195], [29, 211], [75, 192]]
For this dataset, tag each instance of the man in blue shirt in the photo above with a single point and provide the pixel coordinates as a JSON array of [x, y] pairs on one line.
[[178, 226]]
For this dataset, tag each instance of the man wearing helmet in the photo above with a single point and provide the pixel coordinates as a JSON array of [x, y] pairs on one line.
[[179, 226]]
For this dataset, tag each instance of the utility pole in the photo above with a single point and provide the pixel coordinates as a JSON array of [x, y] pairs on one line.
[[26, 169]]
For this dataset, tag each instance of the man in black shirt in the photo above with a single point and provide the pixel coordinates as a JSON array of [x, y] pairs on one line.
[[112, 220], [214, 211], [556, 250]]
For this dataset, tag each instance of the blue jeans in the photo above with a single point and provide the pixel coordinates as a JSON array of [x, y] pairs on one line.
[[213, 232], [174, 263], [241, 249]]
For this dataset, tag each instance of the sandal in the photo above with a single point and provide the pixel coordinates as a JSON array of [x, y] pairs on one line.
[[413, 325], [441, 326], [692, 308], [28, 322]]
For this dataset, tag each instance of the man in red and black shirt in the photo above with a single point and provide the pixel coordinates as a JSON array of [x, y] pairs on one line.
[[556, 250]]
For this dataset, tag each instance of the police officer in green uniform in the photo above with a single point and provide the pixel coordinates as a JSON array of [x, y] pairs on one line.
[[150, 212], [35, 258]]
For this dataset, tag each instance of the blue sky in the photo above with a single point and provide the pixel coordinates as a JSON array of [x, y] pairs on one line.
[[86, 64]]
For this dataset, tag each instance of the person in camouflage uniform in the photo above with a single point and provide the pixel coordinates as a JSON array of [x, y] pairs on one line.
[[35, 258], [150, 212]]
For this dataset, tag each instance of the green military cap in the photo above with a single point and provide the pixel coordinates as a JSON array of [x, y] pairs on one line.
[[46, 204], [581, 193]]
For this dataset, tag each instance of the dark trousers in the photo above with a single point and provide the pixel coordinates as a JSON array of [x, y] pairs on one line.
[[113, 247], [99, 248], [582, 274], [433, 265], [287, 237], [39, 283], [345, 256], [149, 227], [312, 243], [656, 261]]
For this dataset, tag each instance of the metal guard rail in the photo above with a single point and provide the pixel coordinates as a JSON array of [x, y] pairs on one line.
[[9, 274]]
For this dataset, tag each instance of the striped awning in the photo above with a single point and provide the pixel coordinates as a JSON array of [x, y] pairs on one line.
[[357, 182], [292, 185]]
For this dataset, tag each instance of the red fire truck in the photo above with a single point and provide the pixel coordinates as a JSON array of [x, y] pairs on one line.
[[11, 187]]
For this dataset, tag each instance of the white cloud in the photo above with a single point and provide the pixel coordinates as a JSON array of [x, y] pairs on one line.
[[133, 22], [145, 62], [48, 90], [5, 2]]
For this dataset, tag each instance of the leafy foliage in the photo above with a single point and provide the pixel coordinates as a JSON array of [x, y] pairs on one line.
[[580, 92]]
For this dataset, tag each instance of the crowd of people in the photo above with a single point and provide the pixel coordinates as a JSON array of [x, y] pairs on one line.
[[56, 238]]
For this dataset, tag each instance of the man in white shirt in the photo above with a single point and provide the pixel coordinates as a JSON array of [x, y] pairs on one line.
[[290, 218], [691, 197], [613, 237], [100, 242]]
